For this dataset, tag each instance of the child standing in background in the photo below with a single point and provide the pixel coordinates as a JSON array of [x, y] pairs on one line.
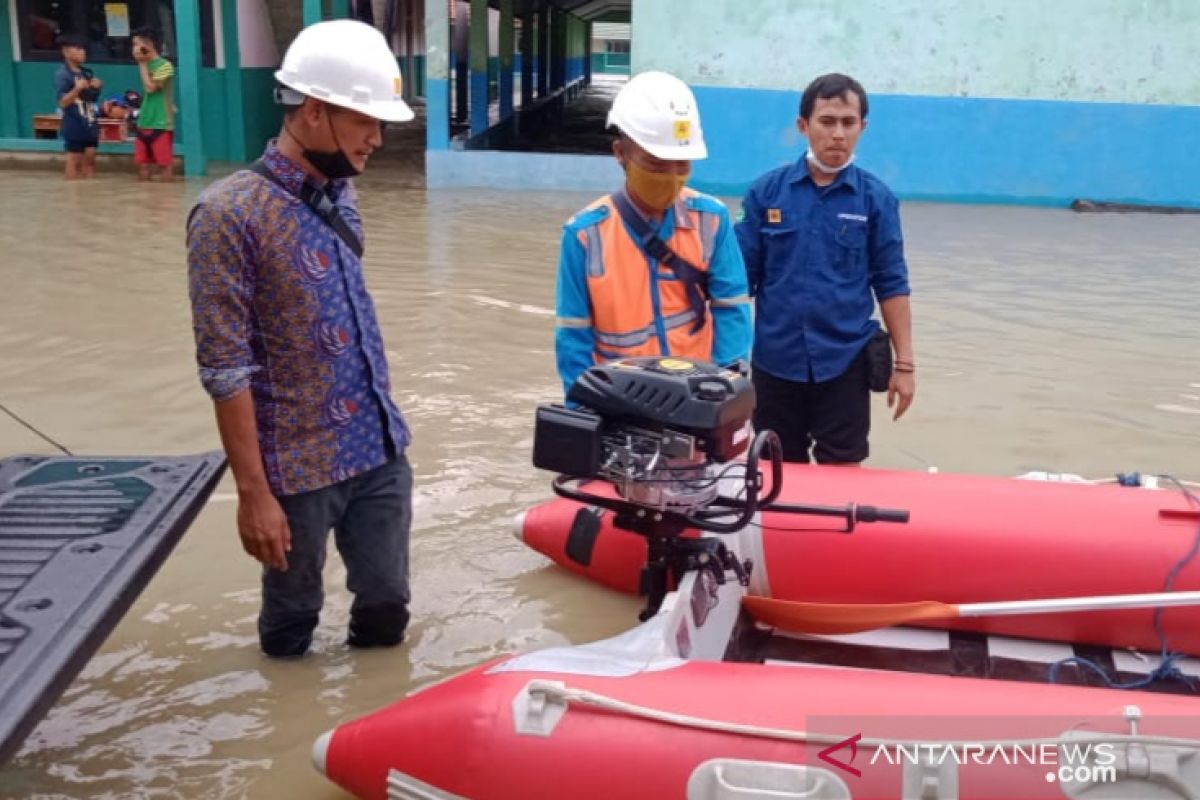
[[156, 119], [77, 90]]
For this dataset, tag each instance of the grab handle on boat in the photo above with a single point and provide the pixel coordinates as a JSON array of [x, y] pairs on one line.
[[738, 779]]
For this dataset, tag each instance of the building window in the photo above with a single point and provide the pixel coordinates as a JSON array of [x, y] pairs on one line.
[[107, 26], [616, 46]]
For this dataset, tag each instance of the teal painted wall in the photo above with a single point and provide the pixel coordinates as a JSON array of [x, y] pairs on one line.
[[213, 124], [1130, 51], [261, 117], [493, 76], [610, 63], [1021, 101], [35, 88], [418, 78]]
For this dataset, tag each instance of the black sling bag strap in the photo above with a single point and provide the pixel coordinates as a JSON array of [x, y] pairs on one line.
[[694, 279], [320, 204]]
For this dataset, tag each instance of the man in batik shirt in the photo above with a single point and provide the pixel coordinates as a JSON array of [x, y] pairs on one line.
[[290, 351]]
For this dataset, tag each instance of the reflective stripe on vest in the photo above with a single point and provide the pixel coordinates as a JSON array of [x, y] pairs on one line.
[[620, 287]]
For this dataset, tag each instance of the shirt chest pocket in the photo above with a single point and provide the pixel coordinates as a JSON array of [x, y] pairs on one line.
[[849, 244], [779, 247]]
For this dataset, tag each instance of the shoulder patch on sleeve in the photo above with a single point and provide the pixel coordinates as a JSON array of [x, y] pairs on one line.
[[588, 217], [705, 203]]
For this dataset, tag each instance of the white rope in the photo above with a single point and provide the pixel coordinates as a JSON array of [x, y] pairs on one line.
[[568, 696], [1106, 481]]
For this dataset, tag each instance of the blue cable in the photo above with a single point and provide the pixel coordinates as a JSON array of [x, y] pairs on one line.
[[1168, 669]]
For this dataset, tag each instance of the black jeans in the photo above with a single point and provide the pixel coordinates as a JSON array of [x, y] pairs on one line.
[[832, 419], [370, 516]]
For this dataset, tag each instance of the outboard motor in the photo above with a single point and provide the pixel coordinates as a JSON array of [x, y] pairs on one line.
[[666, 433]]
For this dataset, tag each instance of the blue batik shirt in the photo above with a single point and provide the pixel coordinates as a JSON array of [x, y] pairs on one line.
[[280, 307]]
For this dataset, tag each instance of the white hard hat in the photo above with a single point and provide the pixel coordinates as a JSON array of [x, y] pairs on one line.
[[658, 111], [348, 64]]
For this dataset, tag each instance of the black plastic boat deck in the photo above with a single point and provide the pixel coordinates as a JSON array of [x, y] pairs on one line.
[[80, 538]]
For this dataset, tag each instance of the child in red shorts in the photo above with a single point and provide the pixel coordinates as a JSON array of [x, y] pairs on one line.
[[156, 118]]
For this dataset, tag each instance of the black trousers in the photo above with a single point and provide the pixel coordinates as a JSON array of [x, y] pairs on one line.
[[370, 515], [830, 419]]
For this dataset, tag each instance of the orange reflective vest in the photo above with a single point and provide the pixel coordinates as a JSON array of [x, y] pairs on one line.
[[637, 302]]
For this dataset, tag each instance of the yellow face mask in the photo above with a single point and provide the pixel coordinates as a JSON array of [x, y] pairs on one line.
[[657, 190]]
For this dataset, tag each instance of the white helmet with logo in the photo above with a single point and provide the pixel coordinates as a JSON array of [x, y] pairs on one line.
[[348, 64], [658, 111]]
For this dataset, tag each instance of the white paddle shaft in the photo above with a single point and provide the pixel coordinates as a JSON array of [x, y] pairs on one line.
[[1098, 603]]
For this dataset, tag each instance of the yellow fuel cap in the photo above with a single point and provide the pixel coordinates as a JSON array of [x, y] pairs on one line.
[[675, 364]]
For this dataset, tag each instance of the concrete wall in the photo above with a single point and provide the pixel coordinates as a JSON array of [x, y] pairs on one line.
[[287, 18], [1128, 51], [1012, 100], [257, 46]]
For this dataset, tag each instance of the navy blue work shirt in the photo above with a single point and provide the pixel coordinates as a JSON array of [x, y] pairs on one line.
[[78, 119], [818, 258]]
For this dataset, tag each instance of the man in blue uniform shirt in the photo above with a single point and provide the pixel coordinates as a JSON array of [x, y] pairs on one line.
[[822, 244]]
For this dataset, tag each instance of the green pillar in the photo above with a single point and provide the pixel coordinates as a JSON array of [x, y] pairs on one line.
[[546, 32], [339, 9], [479, 66], [9, 121], [587, 54], [558, 49], [187, 40], [236, 117], [506, 58], [528, 54], [312, 12]]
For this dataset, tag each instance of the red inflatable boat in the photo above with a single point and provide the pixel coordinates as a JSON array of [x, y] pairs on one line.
[[968, 539], [656, 713], [701, 702]]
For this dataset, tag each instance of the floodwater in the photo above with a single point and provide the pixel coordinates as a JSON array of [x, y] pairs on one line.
[[1045, 340]]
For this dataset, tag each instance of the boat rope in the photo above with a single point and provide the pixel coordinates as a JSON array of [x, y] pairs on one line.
[[1168, 667], [567, 696], [14, 415]]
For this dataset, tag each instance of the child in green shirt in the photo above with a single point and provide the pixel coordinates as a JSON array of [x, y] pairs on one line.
[[156, 119]]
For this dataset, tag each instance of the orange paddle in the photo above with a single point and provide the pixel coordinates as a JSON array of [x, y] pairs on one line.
[[834, 618]]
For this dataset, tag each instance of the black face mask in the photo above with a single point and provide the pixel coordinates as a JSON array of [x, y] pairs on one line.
[[333, 165]]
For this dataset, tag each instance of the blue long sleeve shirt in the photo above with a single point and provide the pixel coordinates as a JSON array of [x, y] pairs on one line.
[[817, 260]]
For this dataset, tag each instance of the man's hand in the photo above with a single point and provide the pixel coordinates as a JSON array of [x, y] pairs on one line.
[[81, 84], [901, 389], [264, 528], [95, 83]]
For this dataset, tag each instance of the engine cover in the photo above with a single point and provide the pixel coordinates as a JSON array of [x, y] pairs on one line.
[[709, 403]]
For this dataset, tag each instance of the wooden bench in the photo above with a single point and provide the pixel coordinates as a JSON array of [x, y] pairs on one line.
[[46, 126]]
